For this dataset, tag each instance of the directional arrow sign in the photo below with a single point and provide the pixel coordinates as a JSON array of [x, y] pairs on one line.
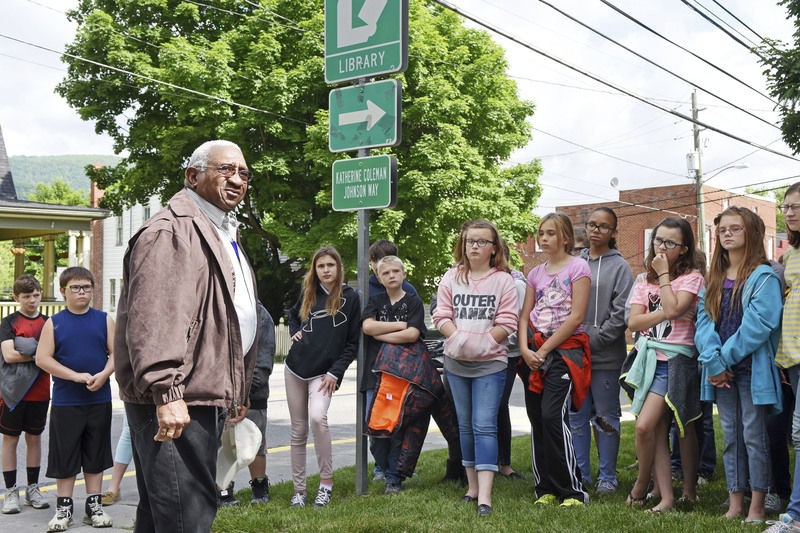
[[365, 38], [364, 183], [366, 116]]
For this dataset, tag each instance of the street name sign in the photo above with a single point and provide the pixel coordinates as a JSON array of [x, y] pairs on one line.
[[365, 116], [365, 38], [364, 183]]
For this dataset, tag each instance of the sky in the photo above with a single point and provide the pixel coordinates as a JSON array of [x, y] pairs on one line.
[[583, 130]]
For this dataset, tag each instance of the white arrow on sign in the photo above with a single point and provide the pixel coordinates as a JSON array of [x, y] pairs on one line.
[[346, 34], [371, 115]]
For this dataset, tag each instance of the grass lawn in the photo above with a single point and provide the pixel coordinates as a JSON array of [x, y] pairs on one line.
[[426, 504]]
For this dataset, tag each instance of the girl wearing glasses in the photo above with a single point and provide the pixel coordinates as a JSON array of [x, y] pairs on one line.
[[605, 325], [665, 371], [738, 319], [556, 356], [476, 312], [788, 356]]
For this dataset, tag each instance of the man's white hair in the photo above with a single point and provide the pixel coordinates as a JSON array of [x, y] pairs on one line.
[[199, 157]]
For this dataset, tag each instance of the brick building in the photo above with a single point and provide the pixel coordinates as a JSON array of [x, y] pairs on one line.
[[639, 210]]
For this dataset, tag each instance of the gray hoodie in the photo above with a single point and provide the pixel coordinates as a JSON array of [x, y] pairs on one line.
[[605, 315]]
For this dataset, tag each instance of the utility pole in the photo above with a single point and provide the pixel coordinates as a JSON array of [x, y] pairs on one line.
[[698, 177]]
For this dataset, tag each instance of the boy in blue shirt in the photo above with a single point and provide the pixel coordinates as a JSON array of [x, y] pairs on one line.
[[75, 348]]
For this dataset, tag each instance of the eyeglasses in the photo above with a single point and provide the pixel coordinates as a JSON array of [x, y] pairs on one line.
[[229, 170], [733, 230], [75, 289], [602, 228], [480, 242], [795, 208], [668, 244]]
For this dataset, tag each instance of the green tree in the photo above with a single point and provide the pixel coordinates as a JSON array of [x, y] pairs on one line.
[[781, 63], [462, 119], [777, 194], [59, 192]]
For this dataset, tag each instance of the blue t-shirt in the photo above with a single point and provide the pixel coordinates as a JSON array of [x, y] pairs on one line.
[[81, 343]]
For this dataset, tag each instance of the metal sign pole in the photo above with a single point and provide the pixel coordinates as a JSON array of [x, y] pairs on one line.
[[363, 288]]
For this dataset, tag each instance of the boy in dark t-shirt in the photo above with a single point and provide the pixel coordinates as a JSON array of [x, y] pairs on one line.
[[393, 317], [24, 393]]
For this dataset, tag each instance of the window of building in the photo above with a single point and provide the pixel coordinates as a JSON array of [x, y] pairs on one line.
[[119, 231], [112, 294], [146, 212]]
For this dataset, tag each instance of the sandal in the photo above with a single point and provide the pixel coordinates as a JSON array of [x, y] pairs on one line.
[[633, 501]]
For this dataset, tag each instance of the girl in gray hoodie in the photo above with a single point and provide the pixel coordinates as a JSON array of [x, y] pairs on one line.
[[605, 324]]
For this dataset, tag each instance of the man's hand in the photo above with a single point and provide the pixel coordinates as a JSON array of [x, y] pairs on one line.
[[241, 411], [172, 418]]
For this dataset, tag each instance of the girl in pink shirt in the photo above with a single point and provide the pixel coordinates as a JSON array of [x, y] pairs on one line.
[[476, 312]]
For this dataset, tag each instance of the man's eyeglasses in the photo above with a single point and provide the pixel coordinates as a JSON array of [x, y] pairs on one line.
[[480, 242], [795, 208], [75, 289], [668, 244], [602, 228], [229, 170]]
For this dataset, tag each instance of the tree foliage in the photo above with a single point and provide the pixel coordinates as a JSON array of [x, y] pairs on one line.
[[31, 170], [462, 119], [59, 192], [781, 63]]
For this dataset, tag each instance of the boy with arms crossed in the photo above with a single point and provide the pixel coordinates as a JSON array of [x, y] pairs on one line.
[[25, 391], [397, 317], [75, 347]]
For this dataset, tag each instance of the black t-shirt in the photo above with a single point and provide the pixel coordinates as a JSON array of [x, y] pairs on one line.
[[407, 309]]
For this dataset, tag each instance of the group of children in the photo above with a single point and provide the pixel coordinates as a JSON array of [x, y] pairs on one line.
[[74, 347], [700, 337]]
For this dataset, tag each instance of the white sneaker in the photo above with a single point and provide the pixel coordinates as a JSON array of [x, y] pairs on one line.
[[11, 501], [94, 514], [298, 500], [34, 498], [323, 498], [62, 520], [784, 524]]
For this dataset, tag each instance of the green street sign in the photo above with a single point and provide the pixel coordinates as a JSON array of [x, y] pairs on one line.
[[365, 38], [364, 183], [366, 116]]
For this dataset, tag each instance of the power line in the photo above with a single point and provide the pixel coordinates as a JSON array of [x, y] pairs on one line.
[[720, 28], [657, 65], [704, 60], [725, 22], [604, 82], [159, 82], [609, 155], [739, 20]]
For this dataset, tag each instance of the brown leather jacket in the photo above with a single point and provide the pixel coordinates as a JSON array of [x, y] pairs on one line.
[[177, 331]]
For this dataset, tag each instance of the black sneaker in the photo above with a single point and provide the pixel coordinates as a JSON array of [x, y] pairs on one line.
[[94, 515], [226, 497], [260, 487]]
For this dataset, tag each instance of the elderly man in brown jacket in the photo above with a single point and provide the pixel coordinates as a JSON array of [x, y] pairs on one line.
[[184, 348]]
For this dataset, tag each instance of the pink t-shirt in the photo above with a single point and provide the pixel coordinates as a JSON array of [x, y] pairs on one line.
[[678, 330], [554, 294]]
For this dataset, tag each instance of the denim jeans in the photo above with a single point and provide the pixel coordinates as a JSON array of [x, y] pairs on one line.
[[124, 452], [793, 508], [744, 428], [601, 411], [477, 402]]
